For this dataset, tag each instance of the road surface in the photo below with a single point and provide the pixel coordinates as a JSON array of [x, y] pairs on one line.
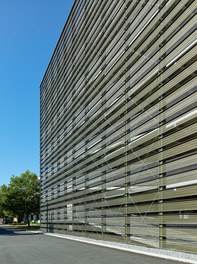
[[18, 246]]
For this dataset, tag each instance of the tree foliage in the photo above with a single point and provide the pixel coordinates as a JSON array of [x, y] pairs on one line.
[[3, 201], [22, 196]]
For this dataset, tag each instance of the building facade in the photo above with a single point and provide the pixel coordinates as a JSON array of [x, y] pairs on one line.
[[118, 131]]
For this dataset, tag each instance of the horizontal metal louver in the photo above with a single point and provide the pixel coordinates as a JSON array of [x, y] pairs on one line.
[[118, 124]]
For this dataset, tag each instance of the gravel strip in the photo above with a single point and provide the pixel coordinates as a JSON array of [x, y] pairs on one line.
[[167, 254]]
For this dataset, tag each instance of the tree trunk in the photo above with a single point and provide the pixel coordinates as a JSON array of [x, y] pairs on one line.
[[28, 222]]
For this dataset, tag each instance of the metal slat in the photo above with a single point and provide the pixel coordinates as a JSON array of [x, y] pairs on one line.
[[118, 124]]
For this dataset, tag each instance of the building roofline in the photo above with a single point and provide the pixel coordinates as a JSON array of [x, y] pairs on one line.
[[68, 20]]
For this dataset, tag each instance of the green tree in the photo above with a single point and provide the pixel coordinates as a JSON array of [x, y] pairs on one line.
[[3, 203], [23, 195], [3, 193]]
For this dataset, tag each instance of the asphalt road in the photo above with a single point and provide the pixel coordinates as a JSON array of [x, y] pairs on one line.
[[18, 246]]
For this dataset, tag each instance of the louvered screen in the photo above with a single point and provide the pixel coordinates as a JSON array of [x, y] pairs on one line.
[[118, 131]]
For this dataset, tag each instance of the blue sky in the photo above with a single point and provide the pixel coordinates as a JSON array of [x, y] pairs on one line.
[[29, 31]]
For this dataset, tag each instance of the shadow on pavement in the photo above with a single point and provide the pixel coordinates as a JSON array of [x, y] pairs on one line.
[[17, 231]]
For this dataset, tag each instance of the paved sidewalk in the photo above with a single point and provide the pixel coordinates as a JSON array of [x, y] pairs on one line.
[[18, 246], [165, 254]]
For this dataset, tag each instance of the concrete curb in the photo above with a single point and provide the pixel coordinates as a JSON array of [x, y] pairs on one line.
[[165, 254]]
